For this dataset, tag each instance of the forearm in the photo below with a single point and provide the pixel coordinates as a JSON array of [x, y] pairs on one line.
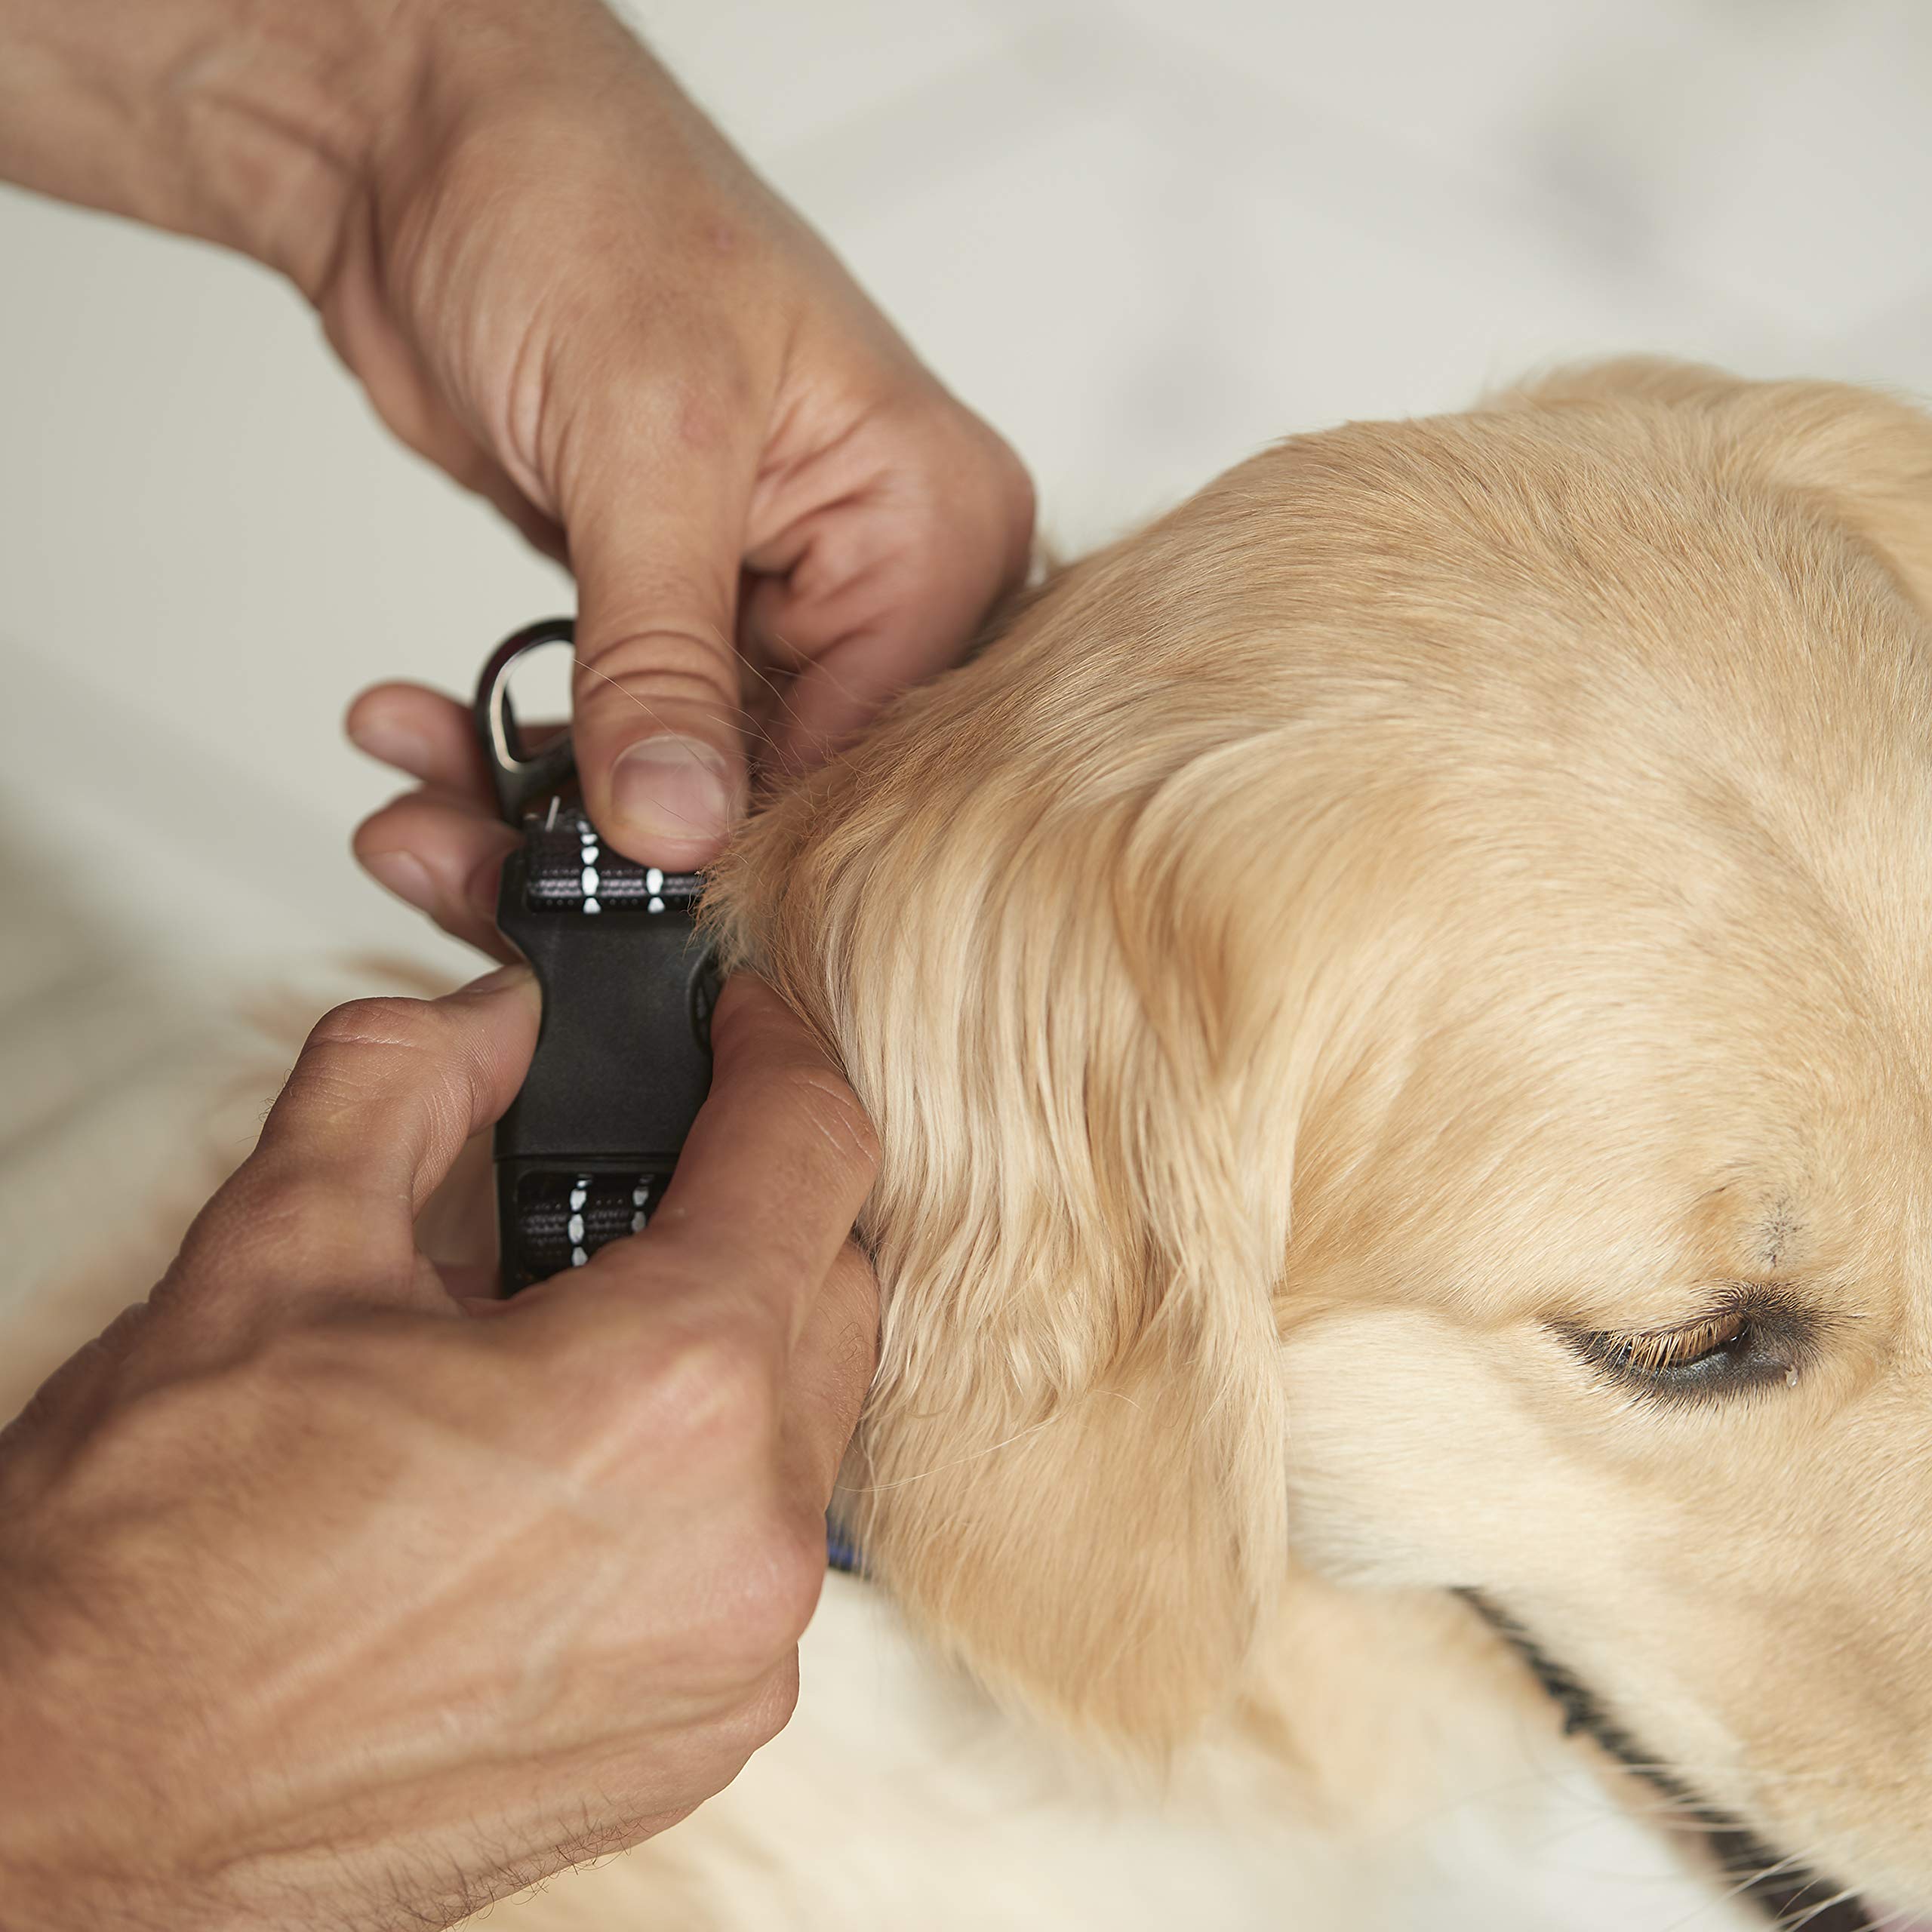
[[260, 124], [247, 122]]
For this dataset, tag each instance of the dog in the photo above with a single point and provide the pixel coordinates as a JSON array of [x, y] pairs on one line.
[[1397, 1007]]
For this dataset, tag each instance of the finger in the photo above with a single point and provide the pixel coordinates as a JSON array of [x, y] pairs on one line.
[[426, 732], [830, 1371], [442, 853], [656, 700], [432, 736], [779, 1161], [813, 710], [876, 592], [908, 630], [380, 1103]]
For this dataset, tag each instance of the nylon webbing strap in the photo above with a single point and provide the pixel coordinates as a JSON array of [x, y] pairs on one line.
[[559, 1215], [563, 1218], [569, 870], [623, 1057]]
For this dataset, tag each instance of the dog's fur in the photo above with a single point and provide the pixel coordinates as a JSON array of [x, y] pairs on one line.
[[1452, 897]]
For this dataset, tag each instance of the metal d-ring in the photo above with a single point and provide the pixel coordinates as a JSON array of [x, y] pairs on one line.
[[519, 776]]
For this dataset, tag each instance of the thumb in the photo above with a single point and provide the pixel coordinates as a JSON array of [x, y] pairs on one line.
[[658, 710], [385, 1096]]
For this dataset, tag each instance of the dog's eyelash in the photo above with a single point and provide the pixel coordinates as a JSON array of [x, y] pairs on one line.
[[1756, 1339], [1653, 1353]]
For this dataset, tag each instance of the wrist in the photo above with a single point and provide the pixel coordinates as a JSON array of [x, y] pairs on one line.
[[250, 126]]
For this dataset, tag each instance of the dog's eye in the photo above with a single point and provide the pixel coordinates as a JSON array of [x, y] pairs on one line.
[[1742, 1344]]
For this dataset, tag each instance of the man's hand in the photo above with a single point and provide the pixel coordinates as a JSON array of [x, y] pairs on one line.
[[330, 1598], [556, 281]]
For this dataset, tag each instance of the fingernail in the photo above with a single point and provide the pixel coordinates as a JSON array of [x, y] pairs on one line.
[[405, 875], [667, 788]]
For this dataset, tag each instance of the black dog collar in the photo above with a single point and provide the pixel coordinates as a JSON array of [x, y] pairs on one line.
[[623, 1059]]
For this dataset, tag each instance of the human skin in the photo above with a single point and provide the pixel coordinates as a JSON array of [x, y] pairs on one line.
[[333, 1598], [557, 281]]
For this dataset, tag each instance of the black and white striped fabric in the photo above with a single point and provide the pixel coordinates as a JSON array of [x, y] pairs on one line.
[[563, 1219], [571, 870]]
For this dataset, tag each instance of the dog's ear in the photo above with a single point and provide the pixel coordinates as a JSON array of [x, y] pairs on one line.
[[1085, 1023], [1861, 457]]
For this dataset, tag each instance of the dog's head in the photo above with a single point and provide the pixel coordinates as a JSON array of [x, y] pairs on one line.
[[1398, 1007]]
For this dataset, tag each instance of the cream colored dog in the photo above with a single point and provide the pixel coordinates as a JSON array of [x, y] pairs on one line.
[[1397, 1003]]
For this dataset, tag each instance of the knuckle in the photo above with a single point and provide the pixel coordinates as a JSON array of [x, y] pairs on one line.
[[259, 1211], [828, 1107], [789, 1584], [396, 1066], [971, 490], [779, 1573], [387, 1021], [713, 1395], [697, 390], [686, 657]]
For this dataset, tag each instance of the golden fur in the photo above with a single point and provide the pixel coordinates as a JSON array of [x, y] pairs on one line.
[[1450, 884], [1354, 982]]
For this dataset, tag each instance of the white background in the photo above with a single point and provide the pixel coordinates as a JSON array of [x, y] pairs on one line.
[[1142, 236]]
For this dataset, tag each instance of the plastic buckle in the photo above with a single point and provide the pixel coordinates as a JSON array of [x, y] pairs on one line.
[[623, 1058]]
